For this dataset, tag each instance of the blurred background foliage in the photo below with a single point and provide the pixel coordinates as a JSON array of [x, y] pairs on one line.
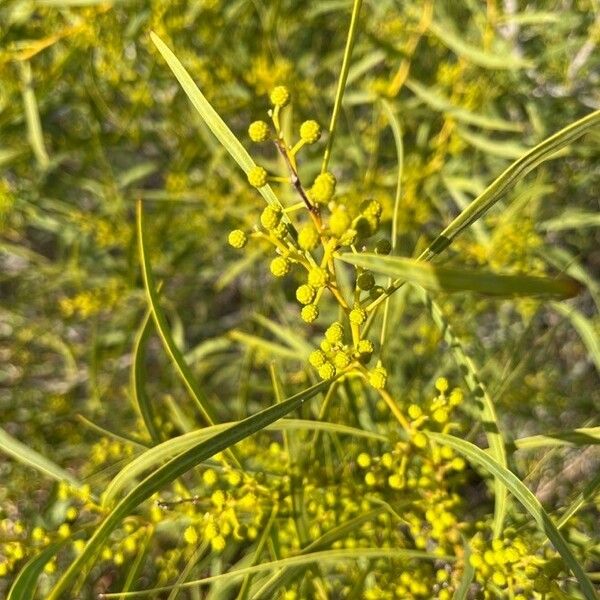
[[91, 119]]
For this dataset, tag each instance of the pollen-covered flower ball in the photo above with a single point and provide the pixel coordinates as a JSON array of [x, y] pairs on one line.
[[310, 132], [257, 176]]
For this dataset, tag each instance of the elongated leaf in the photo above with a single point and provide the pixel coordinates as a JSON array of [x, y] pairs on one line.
[[156, 455], [502, 149], [173, 469], [514, 173], [138, 377], [576, 437], [323, 557], [26, 455], [571, 220], [174, 353], [484, 403], [23, 587], [32, 117], [526, 497], [271, 348], [465, 581], [587, 494], [478, 56], [438, 102], [448, 279], [283, 577], [212, 119], [584, 327]]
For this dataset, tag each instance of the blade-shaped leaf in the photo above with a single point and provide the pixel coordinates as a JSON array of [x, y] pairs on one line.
[[26, 455], [138, 376], [172, 470], [323, 557], [163, 329], [23, 587], [211, 118], [514, 173], [154, 456], [449, 279], [526, 497]]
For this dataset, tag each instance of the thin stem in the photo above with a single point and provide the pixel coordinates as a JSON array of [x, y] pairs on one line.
[[337, 105], [397, 132]]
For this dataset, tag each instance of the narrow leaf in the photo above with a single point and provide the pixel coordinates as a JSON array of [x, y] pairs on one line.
[[450, 279], [513, 174], [171, 471], [526, 497], [174, 353], [27, 456]]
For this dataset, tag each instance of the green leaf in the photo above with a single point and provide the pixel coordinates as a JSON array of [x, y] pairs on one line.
[[24, 585], [502, 149], [483, 400], [514, 173], [571, 219], [587, 494], [174, 353], [576, 437], [526, 498], [467, 578], [138, 376], [32, 116], [270, 348], [323, 557], [212, 119], [156, 455], [439, 103], [173, 469], [476, 55], [450, 279], [28, 456], [585, 328]]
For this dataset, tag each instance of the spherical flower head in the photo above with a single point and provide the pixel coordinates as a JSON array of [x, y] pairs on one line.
[[257, 176], [441, 384], [190, 535], [305, 294], [383, 247], [318, 277], [270, 217], [365, 281], [357, 316], [326, 371], [419, 439], [308, 238], [309, 313], [280, 231], [317, 358], [363, 460], [378, 378], [371, 208], [334, 333], [365, 347], [280, 266], [341, 360], [349, 237], [325, 346], [310, 132], [280, 96], [258, 131], [339, 221], [323, 188], [237, 239]]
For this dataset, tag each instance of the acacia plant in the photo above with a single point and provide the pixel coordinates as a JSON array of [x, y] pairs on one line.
[[354, 486]]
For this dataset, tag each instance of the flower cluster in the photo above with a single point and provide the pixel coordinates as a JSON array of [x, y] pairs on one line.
[[305, 247]]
